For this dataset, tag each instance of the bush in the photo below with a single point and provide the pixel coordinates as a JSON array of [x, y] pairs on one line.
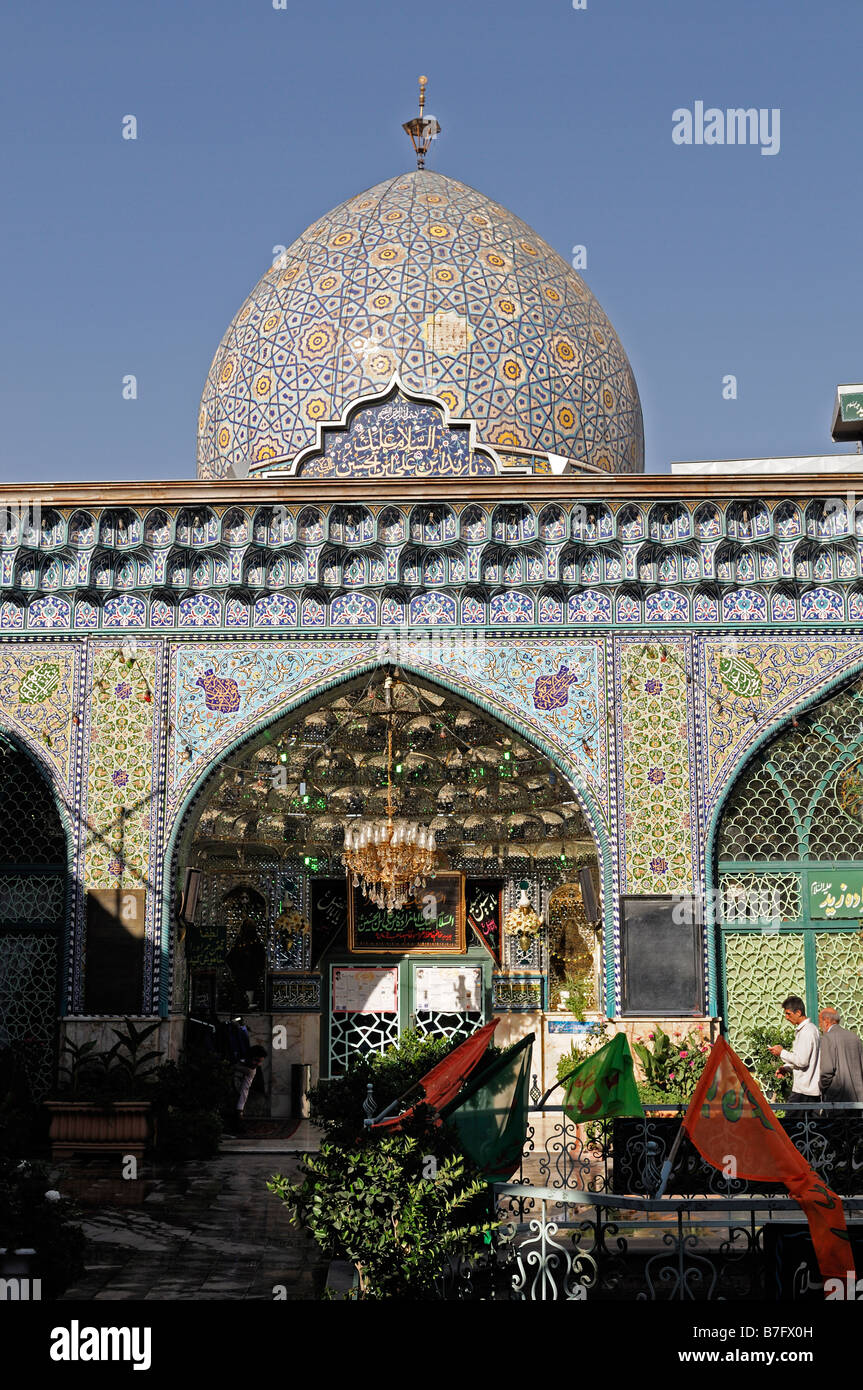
[[33, 1216], [763, 1064], [671, 1067], [190, 1098], [337, 1105], [595, 1038], [398, 1208]]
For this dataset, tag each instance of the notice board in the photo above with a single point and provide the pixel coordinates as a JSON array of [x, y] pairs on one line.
[[661, 955]]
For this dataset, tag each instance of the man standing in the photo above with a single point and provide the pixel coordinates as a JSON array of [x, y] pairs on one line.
[[841, 1059], [802, 1060]]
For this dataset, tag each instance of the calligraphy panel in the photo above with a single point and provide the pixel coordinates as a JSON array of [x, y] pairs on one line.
[[433, 921], [394, 439]]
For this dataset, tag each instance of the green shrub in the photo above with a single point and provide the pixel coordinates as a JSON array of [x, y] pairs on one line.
[[594, 1038], [190, 1098], [398, 1208], [763, 1064], [33, 1216], [337, 1105]]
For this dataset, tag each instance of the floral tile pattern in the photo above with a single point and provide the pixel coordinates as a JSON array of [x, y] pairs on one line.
[[656, 778]]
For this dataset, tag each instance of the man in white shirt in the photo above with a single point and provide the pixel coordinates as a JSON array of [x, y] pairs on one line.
[[803, 1059]]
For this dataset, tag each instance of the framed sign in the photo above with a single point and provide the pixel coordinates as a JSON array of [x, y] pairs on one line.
[[329, 914], [207, 945], [114, 962], [358, 989], [836, 894], [430, 923]]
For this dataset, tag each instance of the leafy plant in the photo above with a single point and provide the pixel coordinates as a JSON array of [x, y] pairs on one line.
[[595, 1038], [337, 1104], [579, 996], [121, 1072], [33, 1216], [398, 1208], [671, 1066], [190, 1098], [763, 1064]]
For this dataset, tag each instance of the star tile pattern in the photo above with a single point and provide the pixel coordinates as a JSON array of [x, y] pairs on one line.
[[428, 279]]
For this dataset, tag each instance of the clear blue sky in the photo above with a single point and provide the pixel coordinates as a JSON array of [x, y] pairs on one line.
[[132, 257]]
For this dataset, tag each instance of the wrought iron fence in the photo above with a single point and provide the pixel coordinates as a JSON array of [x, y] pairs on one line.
[[580, 1221], [591, 1246], [626, 1155]]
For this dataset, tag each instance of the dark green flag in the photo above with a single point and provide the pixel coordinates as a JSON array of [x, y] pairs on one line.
[[490, 1113], [604, 1084]]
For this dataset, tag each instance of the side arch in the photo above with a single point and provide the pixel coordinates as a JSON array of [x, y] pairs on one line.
[[569, 770], [836, 685], [38, 891]]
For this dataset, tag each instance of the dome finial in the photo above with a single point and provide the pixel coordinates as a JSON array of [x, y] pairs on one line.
[[422, 129]]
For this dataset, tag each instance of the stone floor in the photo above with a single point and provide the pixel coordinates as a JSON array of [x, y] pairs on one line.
[[210, 1229], [205, 1230]]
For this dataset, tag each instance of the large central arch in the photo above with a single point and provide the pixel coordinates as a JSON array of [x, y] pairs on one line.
[[263, 733]]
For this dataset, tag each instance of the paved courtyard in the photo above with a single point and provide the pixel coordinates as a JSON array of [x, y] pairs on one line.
[[205, 1230]]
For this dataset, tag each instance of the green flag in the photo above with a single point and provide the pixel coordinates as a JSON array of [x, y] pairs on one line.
[[490, 1113], [604, 1084]]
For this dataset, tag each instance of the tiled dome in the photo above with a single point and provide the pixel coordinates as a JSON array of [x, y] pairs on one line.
[[425, 278]]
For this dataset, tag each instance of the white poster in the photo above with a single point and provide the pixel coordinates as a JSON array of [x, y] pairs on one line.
[[448, 989], [364, 990]]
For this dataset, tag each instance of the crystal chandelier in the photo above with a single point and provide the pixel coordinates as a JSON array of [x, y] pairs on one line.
[[389, 859]]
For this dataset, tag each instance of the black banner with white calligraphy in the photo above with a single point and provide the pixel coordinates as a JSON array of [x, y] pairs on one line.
[[329, 915], [483, 909]]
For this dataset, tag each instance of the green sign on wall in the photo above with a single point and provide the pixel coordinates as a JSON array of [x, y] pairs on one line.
[[836, 894]]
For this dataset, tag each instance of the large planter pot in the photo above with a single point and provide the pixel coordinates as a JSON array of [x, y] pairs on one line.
[[86, 1126]]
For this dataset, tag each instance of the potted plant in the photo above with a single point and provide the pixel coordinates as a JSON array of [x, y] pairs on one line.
[[104, 1102]]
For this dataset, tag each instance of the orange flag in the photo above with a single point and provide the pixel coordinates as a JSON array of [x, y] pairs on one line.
[[729, 1119]]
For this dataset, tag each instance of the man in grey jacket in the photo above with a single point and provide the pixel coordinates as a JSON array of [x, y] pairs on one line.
[[841, 1059]]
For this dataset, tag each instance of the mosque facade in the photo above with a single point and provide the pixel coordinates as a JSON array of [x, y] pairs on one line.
[[633, 697]]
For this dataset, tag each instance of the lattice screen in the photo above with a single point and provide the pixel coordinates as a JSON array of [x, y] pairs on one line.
[[356, 1033], [839, 957], [761, 970]]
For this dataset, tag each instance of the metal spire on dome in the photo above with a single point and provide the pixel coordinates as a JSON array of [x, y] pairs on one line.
[[422, 129]]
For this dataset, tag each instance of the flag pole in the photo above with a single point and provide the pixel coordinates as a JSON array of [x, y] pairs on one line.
[[669, 1163], [541, 1102]]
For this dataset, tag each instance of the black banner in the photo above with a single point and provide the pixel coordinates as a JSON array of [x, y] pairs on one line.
[[483, 908], [432, 921], [329, 915]]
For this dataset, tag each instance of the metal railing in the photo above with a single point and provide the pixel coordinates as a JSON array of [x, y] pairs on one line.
[[626, 1155], [580, 1221]]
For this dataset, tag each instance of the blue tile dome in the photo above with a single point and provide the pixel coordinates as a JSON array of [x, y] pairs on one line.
[[424, 282]]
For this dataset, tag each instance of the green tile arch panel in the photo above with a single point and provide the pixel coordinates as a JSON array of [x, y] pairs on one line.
[[761, 969], [839, 965]]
